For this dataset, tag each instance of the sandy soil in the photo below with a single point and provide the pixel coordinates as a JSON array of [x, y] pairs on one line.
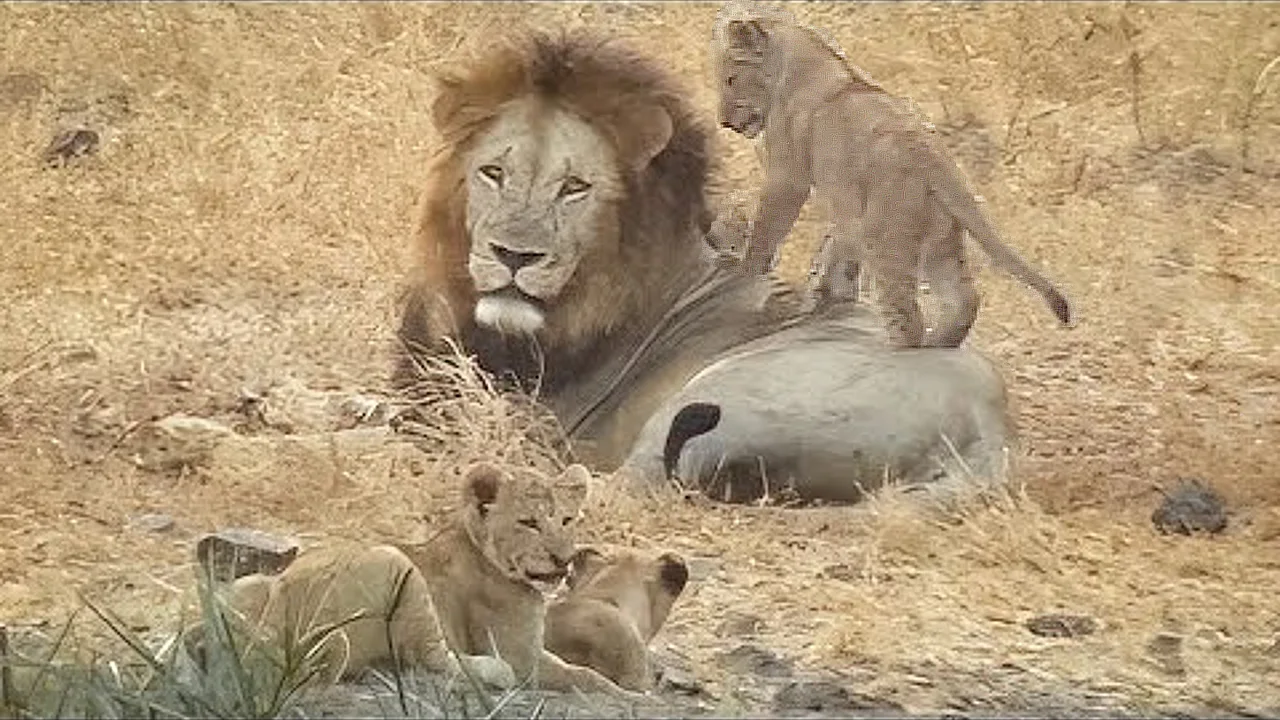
[[235, 246]]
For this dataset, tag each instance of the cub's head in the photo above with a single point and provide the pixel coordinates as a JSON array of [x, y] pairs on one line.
[[742, 43], [520, 522], [569, 181], [641, 585], [742, 77]]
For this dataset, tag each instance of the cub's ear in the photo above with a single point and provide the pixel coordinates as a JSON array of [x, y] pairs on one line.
[[747, 35], [585, 563], [644, 132], [481, 485], [673, 573]]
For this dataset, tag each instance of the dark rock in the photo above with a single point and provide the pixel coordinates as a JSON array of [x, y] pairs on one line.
[[1063, 626], [739, 625], [753, 660], [70, 144], [235, 552], [827, 697], [1165, 650], [1191, 507]]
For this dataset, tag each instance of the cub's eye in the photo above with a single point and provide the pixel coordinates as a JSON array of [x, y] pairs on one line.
[[573, 187], [492, 173], [567, 519], [729, 81], [531, 524]]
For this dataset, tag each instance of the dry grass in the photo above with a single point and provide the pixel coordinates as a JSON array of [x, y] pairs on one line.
[[244, 225]]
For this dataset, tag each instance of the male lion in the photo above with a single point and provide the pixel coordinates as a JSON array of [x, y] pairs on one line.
[[897, 200], [617, 601], [476, 588], [562, 243]]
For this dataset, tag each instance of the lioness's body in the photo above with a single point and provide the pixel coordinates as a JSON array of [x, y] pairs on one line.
[[897, 201], [562, 242], [374, 599], [617, 601]]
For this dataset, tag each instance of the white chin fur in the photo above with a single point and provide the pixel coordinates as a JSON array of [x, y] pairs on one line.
[[509, 316]]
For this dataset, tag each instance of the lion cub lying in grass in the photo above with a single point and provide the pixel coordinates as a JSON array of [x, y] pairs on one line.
[[617, 601], [476, 588], [897, 200]]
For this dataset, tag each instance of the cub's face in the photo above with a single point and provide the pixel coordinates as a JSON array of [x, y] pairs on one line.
[[519, 524], [743, 83], [544, 188]]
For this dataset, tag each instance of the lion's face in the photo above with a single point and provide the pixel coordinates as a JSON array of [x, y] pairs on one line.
[[743, 83], [544, 189], [519, 524]]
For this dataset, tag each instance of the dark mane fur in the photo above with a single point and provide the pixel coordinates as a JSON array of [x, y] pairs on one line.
[[664, 213]]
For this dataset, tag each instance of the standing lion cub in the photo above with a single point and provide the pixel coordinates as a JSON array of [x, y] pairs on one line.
[[897, 201]]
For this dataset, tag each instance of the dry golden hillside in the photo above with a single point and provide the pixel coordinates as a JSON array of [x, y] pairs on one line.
[[242, 232]]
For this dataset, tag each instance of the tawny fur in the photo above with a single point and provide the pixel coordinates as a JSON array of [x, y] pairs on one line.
[[618, 599], [898, 203]]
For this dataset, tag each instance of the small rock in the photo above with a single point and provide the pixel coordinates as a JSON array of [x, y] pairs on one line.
[[1165, 650], [235, 552], [739, 625], [1191, 507], [680, 682], [1062, 626], [827, 697], [70, 144], [177, 442], [152, 522], [752, 660], [843, 572]]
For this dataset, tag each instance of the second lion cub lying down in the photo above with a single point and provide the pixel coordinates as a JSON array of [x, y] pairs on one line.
[[475, 588], [617, 601]]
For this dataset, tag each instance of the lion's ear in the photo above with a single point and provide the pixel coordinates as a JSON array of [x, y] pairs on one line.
[[647, 132], [747, 35], [585, 563], [480, 488], [448, 99]]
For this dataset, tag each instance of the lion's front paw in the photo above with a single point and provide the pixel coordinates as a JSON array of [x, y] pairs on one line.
[[491, 671]]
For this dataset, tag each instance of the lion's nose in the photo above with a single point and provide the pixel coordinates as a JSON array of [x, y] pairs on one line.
[[514, 259]]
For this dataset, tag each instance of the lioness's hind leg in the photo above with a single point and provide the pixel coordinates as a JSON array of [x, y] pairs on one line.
[[950, 281]]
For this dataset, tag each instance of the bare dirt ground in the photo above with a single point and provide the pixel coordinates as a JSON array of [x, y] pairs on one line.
[[234, 248]]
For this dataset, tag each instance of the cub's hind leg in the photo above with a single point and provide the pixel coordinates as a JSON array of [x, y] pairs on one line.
[[950, 278], [892, 229], [834, 272]]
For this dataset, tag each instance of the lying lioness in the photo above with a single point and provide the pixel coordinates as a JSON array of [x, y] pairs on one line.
[[473, 588], [361, 607], [617, 601]]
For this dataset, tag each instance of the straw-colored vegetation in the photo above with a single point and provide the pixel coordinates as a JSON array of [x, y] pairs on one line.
[[234, 248]]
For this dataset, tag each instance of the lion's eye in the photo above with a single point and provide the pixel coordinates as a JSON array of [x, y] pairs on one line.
[[729, 81], [567, 519], [531, 524], [572, 187], [492, 173]]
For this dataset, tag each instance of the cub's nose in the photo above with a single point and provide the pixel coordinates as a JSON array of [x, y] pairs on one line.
[[515, 259]]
